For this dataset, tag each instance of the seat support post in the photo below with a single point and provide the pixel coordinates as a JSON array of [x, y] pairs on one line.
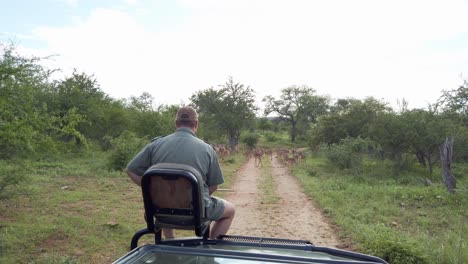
[[137, 236]]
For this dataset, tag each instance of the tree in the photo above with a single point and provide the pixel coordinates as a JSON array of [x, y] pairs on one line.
[[81, 93], [297, 104], [455, 100], [151, 122], [142, 103], [391, 133], [101, 115], [23, 122], [455, 103], [426, 130], [347, 118], [264, 124], [228, 109]]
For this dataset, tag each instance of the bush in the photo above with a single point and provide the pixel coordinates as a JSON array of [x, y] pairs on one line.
[[460, 146], [124, 148], [250, 140], [10, 176], [348, 154], [339, 156], [394, 248], [270, 136]]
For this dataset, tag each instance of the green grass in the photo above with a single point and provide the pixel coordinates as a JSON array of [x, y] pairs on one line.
[[73, 211], [267, 184], [278, 140], [395, 217], [230, 167]]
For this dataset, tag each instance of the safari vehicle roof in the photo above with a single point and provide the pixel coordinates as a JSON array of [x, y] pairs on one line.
[[239, 249]]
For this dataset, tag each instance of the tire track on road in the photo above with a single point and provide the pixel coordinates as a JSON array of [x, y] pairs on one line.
[[293, 216]]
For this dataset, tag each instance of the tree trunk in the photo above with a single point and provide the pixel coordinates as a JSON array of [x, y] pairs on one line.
[[431, 164], [293, 131], [446, 155], [233, 140], [420, 156]]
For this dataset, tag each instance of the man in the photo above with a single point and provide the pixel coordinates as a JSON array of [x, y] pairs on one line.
[[184, 147]]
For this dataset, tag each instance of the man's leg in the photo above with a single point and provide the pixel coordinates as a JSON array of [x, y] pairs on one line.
[[221, 226], [168, 233]]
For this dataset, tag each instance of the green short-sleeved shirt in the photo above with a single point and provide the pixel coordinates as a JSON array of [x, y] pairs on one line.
[[181, 147]]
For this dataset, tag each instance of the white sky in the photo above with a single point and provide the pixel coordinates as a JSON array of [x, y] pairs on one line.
[[388, 49]]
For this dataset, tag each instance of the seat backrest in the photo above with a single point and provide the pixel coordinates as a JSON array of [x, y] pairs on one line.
[[173, 197], [171, 192]]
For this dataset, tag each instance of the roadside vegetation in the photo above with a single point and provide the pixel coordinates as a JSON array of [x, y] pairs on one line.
[[397, 217], [393, 181], [74, 210]]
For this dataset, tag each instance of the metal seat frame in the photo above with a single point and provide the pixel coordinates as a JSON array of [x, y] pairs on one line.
[[196, 213]]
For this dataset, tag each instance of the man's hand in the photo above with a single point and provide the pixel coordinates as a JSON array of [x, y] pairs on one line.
[[213, 189]]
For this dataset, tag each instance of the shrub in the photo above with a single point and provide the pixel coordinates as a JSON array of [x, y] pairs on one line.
[[460, 147], [250, 140], [124, 147], [311, 171], [348, 154], [270, 136], [394, 248], [10, 176], [339, 155]]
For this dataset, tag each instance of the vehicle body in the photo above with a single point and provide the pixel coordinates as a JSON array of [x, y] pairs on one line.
[[240, 249]]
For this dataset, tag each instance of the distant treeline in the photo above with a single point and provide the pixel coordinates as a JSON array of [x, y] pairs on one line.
[[40, 116]]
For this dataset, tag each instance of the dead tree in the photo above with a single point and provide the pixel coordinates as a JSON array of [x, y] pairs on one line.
[[446, 155]]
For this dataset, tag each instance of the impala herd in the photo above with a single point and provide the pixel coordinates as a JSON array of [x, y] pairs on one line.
[[287, 156]]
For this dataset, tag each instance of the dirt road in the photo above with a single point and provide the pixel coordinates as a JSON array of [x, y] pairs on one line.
[[291, 215]]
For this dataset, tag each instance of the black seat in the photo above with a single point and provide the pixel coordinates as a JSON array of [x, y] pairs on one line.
[[173, 198]]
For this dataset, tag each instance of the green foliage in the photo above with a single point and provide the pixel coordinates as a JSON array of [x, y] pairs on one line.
[[392, 215], [270, 136], [251, 140], [227, 110], [460, 146], [347, 118], [417, 132], [124, 148], [11, 174], [74, 210], [82, 92], [278, 140], [264, 124], [455, 102], [425, 132], [71, 121], [298, 106], [40, 117], [147, 121], [393, 247], [23, 124], [348, 154]]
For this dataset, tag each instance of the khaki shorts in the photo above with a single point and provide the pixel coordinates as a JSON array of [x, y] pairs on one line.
[[215, 211]]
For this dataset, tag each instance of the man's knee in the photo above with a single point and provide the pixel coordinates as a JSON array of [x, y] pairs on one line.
[[229, 209]]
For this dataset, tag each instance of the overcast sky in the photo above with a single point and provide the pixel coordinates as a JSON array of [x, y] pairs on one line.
[[171, 49]]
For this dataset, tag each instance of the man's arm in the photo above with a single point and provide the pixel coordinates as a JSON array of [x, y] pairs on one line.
[[212, 189], [135, 178]]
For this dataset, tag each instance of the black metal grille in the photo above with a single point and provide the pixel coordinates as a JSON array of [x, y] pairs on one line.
[[263, 240]]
